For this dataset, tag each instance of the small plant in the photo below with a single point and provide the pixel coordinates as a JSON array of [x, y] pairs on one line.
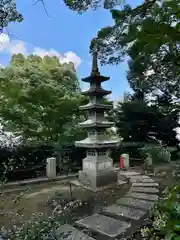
[[165, 218], [39, 227]]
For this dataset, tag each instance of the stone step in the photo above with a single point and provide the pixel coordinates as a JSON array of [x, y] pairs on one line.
[[129, 174], [125, 211], [104, 225], [136, 203], [145, 189], [66, 231], [140, 179], [145, 184], [150, 197]]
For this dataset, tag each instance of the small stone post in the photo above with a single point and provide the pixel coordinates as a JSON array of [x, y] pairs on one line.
[[148, 163], [148, 160], [125, 156], [51, 167]]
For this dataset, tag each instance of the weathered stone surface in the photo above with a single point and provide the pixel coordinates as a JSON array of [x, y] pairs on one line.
[[144, 184], [129, 174], [137, 203], [144, 179], [125, 211], [145, 189], [140, 176], [103, 224], [94, 181], [150, 197], [72, 233], [120, 182], [83, 186]]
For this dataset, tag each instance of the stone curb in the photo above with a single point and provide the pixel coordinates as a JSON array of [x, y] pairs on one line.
[[39, 180]]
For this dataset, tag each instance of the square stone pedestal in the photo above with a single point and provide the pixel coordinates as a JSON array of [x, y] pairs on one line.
[[97, 182]]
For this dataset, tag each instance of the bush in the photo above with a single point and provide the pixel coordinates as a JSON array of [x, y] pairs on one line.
[[165, 217], [39, 227], [26, 161], [158, 153], [23, 162]]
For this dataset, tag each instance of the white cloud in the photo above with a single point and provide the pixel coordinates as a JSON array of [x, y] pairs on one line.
[[16, 46], [11, 47]]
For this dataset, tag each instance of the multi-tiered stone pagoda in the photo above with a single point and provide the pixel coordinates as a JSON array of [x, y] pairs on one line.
[[97, 166]]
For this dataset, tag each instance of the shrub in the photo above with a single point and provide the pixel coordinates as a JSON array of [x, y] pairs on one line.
[[38, 227], [158, 153], [23, 161], [165, 217]]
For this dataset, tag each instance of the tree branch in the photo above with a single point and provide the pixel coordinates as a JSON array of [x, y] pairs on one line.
[[44, 6]]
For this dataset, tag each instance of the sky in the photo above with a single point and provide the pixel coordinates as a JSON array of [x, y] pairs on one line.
[[64, 34]]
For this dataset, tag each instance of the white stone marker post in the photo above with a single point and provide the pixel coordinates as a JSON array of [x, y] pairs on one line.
[[125, 156], [51, 167]]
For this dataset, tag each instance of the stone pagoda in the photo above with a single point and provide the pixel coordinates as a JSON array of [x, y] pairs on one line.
[[97, 169]]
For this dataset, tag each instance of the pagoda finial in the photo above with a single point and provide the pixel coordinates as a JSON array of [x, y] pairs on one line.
[[95, 70]]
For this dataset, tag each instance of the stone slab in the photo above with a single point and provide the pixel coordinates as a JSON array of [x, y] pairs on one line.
[[71, 233], [144, 184], [129, 174], [125, 211], [104, 225], [150, 197], [137, 203], [145, 189], [144, 179]]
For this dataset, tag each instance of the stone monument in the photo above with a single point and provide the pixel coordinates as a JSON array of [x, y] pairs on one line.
[[98, 168]]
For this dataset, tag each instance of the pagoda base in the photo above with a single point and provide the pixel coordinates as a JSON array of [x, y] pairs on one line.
[[98, 181]]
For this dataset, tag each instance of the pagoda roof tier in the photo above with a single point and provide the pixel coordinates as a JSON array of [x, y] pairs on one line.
[[95, 78], [92, 123], [95, 143], [96, 92], [95, 106]]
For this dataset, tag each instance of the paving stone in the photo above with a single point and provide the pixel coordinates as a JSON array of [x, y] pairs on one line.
[[150, 197], [144, 179], [141, 176], [145, 189], [137, 203], [145, 184], [125, 211], [71, 233], [129, 174], [104, 225]]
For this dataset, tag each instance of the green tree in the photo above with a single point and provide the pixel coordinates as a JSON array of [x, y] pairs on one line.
[[83, 5], [40, 99], [167, 119], [149, 35], [8, 13], [134, 119], [140, 121]]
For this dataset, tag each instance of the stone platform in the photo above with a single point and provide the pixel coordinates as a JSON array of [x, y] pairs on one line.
[[98, 180], [120, 220]]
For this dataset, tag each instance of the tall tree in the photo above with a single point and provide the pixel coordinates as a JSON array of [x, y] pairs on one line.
[[167, 119], [8, 13], [134, 120], [149, 35], [140, 121], [40, 99]]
